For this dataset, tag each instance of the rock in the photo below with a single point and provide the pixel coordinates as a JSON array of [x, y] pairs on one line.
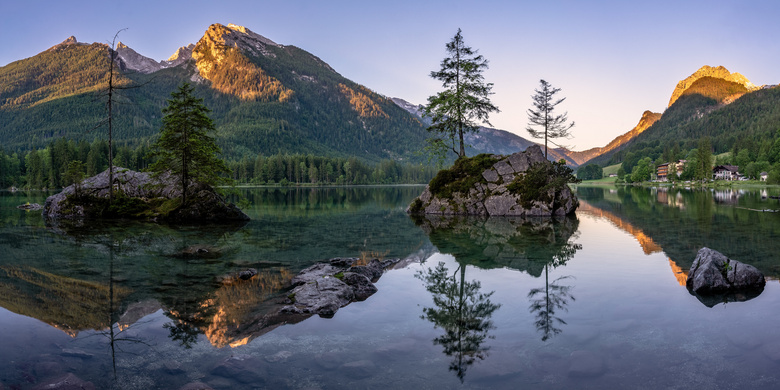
[[325, 287], [31, 207], [714, 278], [247, 274], [200, 251], [315, 272], [142, 195], [361, 286], [196, 386], [323, 296], [67, 382], [490, 195], [241, 368], [76, 353]]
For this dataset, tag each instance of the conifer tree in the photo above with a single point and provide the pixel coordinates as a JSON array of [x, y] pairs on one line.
[[185, 147], [541, 115], [464, 102]]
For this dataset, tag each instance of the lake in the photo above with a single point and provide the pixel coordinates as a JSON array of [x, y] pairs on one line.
[[592, 301]]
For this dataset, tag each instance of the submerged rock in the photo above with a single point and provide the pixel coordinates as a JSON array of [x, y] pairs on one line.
[[323, 288], [714, 278], [67, 382], [139, 195], [28, 206], [489, 193]]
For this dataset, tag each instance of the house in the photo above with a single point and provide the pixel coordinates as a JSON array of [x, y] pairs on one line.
[[726, 172], [663, 170], [763, 176]]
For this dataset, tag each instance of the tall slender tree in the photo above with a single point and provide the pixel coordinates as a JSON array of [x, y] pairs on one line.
[[542, 123], [185, 147], [464, 102]]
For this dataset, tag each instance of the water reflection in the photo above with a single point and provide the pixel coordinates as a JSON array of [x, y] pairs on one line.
[[681, 221], [523, 244], [533, 245], [462, 311]]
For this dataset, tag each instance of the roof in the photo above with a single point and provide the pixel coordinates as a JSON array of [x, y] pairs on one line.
[[730, 168]]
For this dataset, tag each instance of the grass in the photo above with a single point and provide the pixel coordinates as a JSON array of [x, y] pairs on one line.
[[612, 169]]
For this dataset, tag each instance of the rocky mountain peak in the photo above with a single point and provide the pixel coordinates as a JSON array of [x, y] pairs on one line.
[[70, 41], [130, 59], [718, 72]]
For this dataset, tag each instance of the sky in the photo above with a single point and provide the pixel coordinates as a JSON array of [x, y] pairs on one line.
[[612, 60]]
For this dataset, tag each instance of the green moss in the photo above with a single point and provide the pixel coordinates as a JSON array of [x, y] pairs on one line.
[[416, 207], [538, 181], [339, 276], [462, 176]]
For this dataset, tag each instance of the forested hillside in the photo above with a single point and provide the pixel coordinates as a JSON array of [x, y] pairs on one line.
[[265, 99], [721, 110]]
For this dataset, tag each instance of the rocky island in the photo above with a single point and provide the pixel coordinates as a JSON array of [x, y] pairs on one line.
[[139, 195], [524, 184]]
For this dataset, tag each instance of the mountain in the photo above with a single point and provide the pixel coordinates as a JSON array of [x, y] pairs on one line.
[[714, 103], [713, 72], [489, 140], [647, 120], [265, 97]]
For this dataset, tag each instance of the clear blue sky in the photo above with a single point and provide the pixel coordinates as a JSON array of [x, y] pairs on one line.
[[612, 59]]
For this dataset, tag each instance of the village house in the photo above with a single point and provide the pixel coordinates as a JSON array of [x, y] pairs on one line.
[[663, 170], [763, 175], [726, 172]]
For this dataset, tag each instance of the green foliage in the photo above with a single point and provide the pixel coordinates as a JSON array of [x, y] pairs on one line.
[[643, 171], [465, 100], [462, 176], [542, 182], [185, 147], [590, 172]]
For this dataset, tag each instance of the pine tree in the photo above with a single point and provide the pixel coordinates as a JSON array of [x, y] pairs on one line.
[[185, 147], [541, 116], [464, 101]]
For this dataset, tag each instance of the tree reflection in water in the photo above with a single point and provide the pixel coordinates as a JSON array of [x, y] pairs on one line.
[[531, 245], [462, 311]]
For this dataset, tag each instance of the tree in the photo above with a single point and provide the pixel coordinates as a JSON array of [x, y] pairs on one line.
[[185, 147], [464, 102], [703, 163], [590, 172], [541, 116]]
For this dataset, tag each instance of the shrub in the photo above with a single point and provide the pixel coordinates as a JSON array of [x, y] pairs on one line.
[[462, 176]]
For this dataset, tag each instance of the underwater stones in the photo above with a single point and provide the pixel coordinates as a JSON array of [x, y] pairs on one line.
[[196, 386], [28, 206], [714, 278], [66, 382], [241, 368], [247, 274]]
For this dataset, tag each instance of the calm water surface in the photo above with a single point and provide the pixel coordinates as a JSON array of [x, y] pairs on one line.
[[596, 301]]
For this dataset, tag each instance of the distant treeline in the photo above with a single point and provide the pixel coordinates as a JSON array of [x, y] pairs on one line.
[[45, 168]]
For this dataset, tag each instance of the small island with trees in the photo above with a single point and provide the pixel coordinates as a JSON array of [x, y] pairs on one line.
[[179, 188]]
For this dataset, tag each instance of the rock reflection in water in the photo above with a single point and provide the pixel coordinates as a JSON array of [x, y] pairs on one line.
[[532, 245], [462, 311]]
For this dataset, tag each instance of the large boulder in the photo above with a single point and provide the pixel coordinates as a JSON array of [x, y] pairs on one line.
[[488, 192], [140, 195], [714, 278]]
